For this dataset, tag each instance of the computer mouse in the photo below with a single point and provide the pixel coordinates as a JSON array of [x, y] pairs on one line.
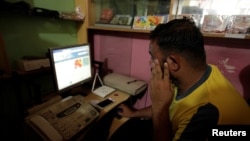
[[119, 110]]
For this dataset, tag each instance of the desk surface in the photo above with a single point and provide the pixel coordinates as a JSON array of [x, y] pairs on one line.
[[118, 97]]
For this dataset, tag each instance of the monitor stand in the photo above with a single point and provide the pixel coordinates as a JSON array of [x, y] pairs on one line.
[[81, 90], [75, 91]]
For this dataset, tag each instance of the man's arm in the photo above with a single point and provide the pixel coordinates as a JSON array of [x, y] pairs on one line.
[[161, 125], [141, 113]]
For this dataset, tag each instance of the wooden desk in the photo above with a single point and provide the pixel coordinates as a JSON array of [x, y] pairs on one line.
[[118, 97]]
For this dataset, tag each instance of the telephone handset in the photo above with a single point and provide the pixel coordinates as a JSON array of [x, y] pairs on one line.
[[50, 132], [64, 119]]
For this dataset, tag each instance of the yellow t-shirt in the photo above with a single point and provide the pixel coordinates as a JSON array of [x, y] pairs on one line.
[[211, 102]]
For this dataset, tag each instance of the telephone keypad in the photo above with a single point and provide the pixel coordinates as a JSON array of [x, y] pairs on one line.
[[70, 116]]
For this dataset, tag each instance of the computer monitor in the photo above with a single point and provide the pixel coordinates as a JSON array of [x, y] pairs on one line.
[[71, 66]]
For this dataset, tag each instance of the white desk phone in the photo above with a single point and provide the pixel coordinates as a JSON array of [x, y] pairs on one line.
[[63, 119]]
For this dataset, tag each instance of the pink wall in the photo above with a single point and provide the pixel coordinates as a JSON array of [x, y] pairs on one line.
[[232, 56], [130, 56], [126, 56]]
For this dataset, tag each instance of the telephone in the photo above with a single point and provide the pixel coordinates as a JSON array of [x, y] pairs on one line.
[[63, 119]]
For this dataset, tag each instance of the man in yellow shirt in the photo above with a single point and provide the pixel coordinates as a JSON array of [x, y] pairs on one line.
[[191, 99]]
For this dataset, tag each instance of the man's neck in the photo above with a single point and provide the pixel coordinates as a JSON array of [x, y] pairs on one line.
[[190, 79]]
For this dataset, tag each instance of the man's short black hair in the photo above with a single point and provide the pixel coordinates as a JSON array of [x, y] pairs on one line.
[[181, 36]]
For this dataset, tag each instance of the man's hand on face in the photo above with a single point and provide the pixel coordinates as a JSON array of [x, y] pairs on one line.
[[160, 84]]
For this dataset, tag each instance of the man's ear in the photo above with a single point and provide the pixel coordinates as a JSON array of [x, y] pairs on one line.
[[173, 62]]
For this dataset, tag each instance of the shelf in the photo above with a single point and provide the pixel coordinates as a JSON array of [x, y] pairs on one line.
[[170, 7], [224, 35], [23, 8], [118, 29], [205, 34], [33, 72]]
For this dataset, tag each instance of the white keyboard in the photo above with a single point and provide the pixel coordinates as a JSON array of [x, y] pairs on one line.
[[103, 91]]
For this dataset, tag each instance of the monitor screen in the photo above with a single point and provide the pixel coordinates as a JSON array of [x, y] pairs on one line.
[[71, 66]]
